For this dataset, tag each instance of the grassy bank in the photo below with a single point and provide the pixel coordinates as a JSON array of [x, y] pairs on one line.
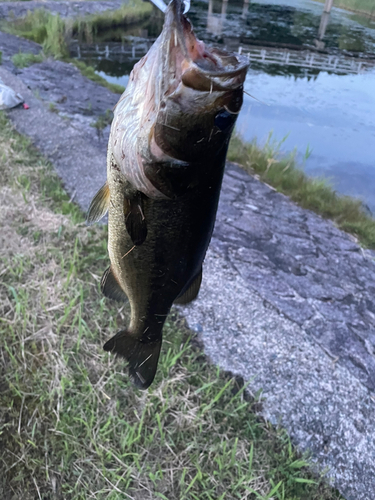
[[363, 6], [314, 194], [55, 33], [71, 425], [89, 72]]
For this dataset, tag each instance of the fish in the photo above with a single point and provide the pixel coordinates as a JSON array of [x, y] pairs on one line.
[[165, 164]]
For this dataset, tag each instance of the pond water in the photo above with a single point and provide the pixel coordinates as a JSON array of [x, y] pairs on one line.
[[312, 76]]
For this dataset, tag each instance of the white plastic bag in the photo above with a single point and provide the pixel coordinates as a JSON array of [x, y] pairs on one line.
[[9, 98]]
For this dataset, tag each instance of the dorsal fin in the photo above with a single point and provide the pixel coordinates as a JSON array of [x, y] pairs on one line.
[[110, 287], [192, 292], [99, 205]]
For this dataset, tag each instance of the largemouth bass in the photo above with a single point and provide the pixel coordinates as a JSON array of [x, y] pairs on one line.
[[166, 157]]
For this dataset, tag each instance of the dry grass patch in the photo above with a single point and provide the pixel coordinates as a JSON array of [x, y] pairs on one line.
[[71, 424]]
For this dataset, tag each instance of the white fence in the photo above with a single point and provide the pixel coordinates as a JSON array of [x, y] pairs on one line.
[[134, 50], [307, 59]]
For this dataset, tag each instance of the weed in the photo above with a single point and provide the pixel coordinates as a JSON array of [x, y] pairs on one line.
[[24, 59], [102, 121], [56, 39], [52, 107], [42, 27]]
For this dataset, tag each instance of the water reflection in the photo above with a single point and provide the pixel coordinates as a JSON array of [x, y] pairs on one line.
[[245, 8], [332, 115], [214, 22]]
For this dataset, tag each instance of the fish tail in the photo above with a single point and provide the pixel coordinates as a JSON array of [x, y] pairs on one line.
[[142, 356]]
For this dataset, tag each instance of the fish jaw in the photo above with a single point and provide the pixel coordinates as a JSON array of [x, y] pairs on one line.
[[180, 105], [187, 59]]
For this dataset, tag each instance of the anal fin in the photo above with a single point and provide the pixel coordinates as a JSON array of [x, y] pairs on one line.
[[99, 205], [111, 288], [191, 293], [135, 220], [142, 356]]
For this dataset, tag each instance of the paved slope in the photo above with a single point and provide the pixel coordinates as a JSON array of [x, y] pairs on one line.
[[288, 300]]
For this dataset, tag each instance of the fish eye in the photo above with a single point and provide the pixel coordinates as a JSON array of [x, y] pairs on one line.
[[224, 120]]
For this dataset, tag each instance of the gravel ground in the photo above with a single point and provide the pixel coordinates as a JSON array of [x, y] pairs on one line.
[[287, 299]]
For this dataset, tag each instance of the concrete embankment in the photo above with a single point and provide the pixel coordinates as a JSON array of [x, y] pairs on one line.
[[11, 10], [287, 300]]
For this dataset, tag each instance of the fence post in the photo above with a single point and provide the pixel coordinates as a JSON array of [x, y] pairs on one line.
[[328, 6], [323, 25], [245, 8]]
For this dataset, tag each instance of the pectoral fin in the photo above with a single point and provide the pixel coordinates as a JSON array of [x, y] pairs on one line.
[[135, 220], [111, 288], [142, 356], [99, 205], [192, 292]]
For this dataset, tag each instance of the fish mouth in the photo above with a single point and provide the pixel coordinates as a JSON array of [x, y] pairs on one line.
[[186, 59]]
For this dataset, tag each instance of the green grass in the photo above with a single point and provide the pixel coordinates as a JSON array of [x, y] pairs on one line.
[[24, 59], [362, 6], [102, 121], [315, 194], [40, 26], [71, 424]]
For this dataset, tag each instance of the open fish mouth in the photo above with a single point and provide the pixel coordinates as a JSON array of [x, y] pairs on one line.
[[197, 84], [189, 61]]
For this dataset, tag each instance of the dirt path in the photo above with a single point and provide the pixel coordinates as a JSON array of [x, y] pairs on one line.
[[296, 304]]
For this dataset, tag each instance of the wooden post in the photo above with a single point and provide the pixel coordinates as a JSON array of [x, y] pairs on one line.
[[328, 6], [323, 25]]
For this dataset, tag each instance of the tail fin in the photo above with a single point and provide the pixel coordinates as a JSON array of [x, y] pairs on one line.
[[142, 356]]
